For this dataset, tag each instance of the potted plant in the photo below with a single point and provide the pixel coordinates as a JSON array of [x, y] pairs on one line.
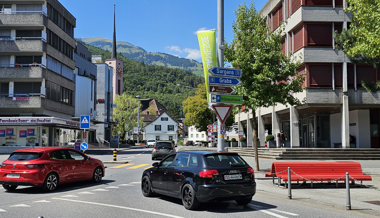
[[226, 143], [234, 143], [270, 141], [243, 142]]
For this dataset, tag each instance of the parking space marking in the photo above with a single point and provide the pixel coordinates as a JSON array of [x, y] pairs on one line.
[[101, 190], [120, 166], [112, 187], [269, 211], [119, 207], [69, 196], [137, 166], [86, 193], [3, 211], [20, 205], [125, 185]]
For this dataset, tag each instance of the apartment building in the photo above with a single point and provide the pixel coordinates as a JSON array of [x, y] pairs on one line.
[[338, 112], [36, 73]]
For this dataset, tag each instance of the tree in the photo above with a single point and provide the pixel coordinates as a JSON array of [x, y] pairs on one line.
[[125, 114], [268, 76], [361, 41]]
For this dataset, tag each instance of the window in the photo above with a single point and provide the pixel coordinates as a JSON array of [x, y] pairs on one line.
[[66, 96], [5, 60], [320, 75], [319, 34], [164, 119], [168, 161], [4, 88], [29, 33], [193, 161], [191, 136], [5, 34], [5, 9], [181, 160], [76, 156], [203, 135], [170, 127], [27, 87], [197, 136], [28, 8], [27, 60], [170, 138], [157, 127]]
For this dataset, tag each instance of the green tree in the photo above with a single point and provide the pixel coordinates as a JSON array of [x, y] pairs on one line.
[[361, 41], [268, 76], [125, 114]]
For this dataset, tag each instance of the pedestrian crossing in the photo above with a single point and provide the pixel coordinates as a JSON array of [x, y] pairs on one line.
[[130, 166]]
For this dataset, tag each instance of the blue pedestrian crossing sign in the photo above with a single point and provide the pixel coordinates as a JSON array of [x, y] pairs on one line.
[[83, 146], [85, 121]]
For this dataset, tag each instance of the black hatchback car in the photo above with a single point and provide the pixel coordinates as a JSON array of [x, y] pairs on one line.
[[201, 176]]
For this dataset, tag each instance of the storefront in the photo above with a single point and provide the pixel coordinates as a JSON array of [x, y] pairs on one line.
[[38, 131]]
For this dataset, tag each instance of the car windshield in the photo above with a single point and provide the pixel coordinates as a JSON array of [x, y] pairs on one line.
[[150, 140], [22, 156], [224, 160]]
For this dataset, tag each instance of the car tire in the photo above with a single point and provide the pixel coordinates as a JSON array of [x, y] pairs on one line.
[[146, 187], [97, 175], [9, 187], [189, 201], [244, 201], [51, 182]]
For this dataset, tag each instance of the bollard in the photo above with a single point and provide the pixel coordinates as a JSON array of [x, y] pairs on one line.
[[348, 198], [289, 184], [114, 154]]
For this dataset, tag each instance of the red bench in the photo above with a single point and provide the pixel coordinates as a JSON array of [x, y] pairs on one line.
[[317, 171]]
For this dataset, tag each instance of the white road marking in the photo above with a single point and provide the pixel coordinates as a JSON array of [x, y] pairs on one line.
[[86, 193], [101, 190], [284, 212], [125, 185], [3, 211], [268, 211], [20, 205], [135, 183], [112, 187], [42, 201], [120, 207], [69, 196]]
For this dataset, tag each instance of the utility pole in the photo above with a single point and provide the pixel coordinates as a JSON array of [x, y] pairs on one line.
[[220, 43]]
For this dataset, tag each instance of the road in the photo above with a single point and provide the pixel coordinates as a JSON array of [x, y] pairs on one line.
[[119, 195]]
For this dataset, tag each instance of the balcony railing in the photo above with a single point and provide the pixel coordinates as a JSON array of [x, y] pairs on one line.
[[23, 65], [9, 11]]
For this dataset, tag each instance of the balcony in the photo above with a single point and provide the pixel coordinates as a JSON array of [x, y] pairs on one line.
[[24, 71], [16, 47], [20, 20]]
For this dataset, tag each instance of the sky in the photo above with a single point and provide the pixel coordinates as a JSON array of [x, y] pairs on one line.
[[166, 26]]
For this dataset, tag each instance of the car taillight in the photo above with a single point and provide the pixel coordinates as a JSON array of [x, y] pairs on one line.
[[208, 173], [154, 148], [250, 171], [33, 166]]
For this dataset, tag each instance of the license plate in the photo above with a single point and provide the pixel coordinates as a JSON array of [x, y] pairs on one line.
[[233, 177], [13, 176], [164, 150]]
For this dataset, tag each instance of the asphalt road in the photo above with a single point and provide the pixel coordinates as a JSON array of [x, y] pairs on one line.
[[119, 195]]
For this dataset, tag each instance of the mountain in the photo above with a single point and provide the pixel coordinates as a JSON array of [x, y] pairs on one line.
[[151, 58]]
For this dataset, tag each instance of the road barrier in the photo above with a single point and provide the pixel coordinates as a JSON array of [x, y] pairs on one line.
[[114, 155]]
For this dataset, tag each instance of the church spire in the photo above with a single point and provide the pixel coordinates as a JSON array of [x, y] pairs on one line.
[[114, 53]]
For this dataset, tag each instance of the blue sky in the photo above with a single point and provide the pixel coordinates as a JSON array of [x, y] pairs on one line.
[[166, 26]]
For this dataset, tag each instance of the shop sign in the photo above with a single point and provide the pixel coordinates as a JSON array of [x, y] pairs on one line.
[[30, 132], [2, 132], [10, 132], [22, 134], [25, 121]]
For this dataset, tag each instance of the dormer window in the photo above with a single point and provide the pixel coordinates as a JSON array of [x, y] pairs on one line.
[[164, 119]]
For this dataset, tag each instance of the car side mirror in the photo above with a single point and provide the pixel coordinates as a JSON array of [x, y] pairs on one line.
[[155, 164]]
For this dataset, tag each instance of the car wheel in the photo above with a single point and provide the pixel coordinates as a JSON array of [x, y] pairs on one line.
[[98, 175], [189, 200], [146, 187], [51, 182], [244, 201], [9, 187]]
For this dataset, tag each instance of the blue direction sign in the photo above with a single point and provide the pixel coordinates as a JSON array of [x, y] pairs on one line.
[[223, 80], [83, 146], [219, 71], [85, 121]]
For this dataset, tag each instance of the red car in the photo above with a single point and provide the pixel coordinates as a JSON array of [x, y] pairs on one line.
[[46, 167]]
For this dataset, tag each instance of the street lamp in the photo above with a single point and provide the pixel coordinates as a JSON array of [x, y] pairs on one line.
[[138, 119]]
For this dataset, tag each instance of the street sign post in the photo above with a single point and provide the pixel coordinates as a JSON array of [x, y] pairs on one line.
[[228, 99], [223, 81], [222, 89], [220, 71]]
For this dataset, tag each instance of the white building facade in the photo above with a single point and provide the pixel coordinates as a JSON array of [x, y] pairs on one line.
[[163, 128]]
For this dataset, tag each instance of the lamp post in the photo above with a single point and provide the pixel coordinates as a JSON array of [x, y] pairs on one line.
[[138, 119]]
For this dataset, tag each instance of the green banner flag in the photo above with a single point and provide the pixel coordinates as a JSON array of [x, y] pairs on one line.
[[207, 44]]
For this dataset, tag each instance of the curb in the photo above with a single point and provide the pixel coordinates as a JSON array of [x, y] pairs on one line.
[[115, 162]]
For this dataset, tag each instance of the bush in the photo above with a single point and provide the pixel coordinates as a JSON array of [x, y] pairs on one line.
[[233, 140], [269, 137], [226, 140], [180, 143], [242, 139]]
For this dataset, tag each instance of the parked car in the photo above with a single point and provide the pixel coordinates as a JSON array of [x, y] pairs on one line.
[[198, 143], [188, 143], [150, 143], [71, 143], [201, 176], [48, 167], [161, 149]]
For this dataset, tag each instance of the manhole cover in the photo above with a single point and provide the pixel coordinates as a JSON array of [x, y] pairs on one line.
[[373, 202]]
